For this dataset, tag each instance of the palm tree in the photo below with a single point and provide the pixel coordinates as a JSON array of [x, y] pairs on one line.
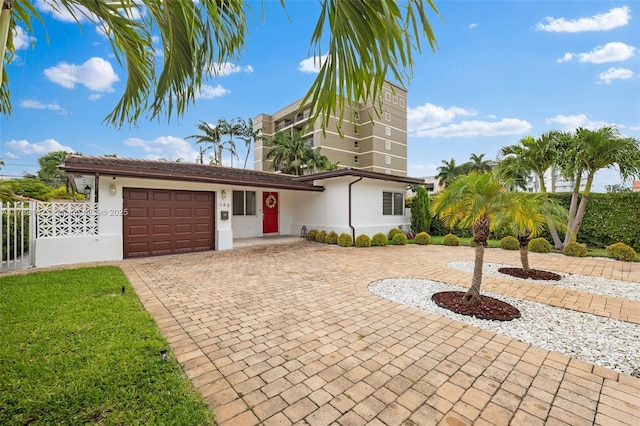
[[591, 151], [536, 212], [231, 128], [448, 172], [250, 137], [195, 37], [211, 136], [477, 164], [291, 154], [533, 155], [476, 200]]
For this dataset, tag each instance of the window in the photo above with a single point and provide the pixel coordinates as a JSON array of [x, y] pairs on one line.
[[356, 129], [387, 131], [244, 203], [392, 203], [356, 159], [387, 145], [387, 96], [387, 116], [387, 159], [395, 99], [356, 115], [356, 145], [387, 171], [402, 102]]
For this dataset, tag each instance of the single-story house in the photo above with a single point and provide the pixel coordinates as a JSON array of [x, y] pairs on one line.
[[148, 208]]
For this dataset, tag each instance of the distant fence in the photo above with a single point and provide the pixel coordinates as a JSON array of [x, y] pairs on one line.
[[21, 223], [17, 234]]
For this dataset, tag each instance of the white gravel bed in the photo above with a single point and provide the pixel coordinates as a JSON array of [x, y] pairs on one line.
[[603, 286], [606, 342]]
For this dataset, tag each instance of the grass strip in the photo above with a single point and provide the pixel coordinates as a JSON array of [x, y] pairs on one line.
[[76, 349]]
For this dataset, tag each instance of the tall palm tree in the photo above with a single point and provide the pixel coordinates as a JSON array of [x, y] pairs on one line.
[[448, 172], [250, 137], [478, 164], [533, 155], [591, 151], [477, 200], [231, 128], [195, 37], [291, 154], [210, 136]]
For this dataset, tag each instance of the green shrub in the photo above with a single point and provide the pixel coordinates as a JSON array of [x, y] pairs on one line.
[[509, 243], [575, 249], [332, 238], [621, 251], [393, 232], [379, 239], [423, 238], [363, 240], [311, 235], [420, 216], [321, 237], [451, 240], [539, 245], [345, 240], [399, 239]]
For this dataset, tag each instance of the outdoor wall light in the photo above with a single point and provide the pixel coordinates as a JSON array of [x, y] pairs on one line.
[[223, 193], [112, 189], [87, 191]]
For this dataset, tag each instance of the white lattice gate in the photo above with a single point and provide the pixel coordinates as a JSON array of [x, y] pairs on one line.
[[17, 233]]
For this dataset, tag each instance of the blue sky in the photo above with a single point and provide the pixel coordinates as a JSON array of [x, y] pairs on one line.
[[503, 70]]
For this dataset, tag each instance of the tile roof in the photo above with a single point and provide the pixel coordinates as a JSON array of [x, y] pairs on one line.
[[153, 169]]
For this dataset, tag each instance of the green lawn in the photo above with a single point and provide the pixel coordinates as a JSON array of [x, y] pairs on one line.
[[74, 350]]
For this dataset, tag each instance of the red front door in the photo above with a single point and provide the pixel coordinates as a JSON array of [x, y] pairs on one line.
[[270, 212]]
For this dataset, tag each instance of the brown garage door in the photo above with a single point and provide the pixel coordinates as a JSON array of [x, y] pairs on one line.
[[161, 222]]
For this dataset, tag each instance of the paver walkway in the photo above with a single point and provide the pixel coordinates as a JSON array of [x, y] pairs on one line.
[[289, 334]]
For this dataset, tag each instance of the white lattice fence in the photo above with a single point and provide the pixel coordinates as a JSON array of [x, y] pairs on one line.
[[66, 219]]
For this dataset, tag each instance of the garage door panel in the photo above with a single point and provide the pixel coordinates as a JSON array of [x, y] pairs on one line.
[[165, 221]]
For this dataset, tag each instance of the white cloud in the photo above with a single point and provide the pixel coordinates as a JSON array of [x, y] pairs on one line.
[[168, 147], [312, 65], [210, 92], [22, 40], [616, 17], [572, 122], [610, 52], [35, 104], [39, 148], [226, 68], [473, 25], [428, 116], [472, 128], [615, 73], [95, 74], [94, 97]]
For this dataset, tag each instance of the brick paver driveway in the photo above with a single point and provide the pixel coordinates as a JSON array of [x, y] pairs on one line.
[[290, 334]]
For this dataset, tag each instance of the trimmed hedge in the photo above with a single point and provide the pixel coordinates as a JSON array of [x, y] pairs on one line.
[[332, 238], [363, 240], [451, 240], [379, 240], [392, 232], [621, 251], [311, 235], [540, 245], [509, 243], [321, 237], [345, 240], [423, 238], [575, 249], [399, 239]]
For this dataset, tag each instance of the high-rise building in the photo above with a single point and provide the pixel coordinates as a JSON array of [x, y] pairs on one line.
[[369, 141], [553, 182]]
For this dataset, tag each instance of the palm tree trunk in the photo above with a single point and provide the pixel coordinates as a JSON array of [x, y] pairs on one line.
[[473, 294], [523, 242], [557, 242], [247, 157], [581, 209], [572, 208]]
